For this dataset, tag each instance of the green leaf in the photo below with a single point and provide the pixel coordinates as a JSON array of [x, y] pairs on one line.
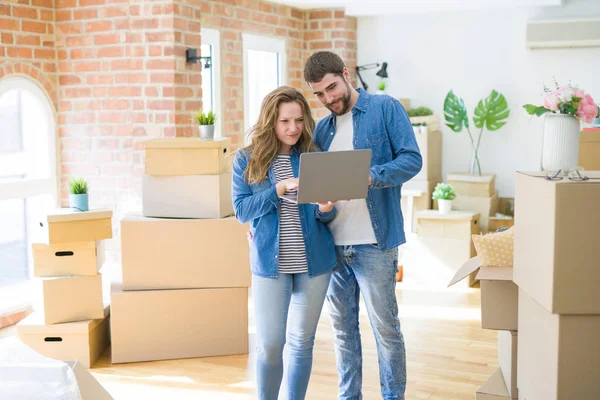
[[531, 108], [455, 112], [491, 112], [77, 186]]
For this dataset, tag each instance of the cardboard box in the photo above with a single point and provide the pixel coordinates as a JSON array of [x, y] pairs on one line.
[[430, 145], [71, 299], [485, 206], [184, 254], [89, 387], [471, 185], [499, 294], [66, 226], [190, 196], [171, 324], [494, 388], [559, 355], [405, 103], [426, 187], [507, 358], [496, 223], [83, 341], [432, 122], [187, 156], [67, 259], [506, 206], [589, 149], [556, 242], [448, 238]]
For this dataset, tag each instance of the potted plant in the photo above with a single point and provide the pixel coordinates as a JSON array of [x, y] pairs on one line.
[[490, 113], [416, 127], [381, 87], [564, 107], [206, 124], [78, 194], [444, 194], [420, 112]]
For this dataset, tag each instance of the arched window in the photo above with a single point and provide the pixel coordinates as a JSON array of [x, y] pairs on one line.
[[28, 172]]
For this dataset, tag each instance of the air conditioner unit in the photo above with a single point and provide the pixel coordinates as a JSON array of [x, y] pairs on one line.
[[563, 33]]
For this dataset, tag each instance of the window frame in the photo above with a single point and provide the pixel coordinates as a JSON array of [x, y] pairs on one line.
[[261, 43], [212, 38]]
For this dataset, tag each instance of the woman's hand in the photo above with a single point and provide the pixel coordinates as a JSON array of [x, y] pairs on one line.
[[326, 206], [285, 185]]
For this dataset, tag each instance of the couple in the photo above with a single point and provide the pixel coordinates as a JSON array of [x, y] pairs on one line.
[[301, 254]]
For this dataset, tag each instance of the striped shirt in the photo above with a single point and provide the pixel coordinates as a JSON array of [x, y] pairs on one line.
[[292, 254]]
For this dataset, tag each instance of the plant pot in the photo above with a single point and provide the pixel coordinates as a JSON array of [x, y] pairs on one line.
[[380, 92], [207, 132], [596, 122], [444, 206], [560, 149], [424, 129], [416, 129], [79, 201]]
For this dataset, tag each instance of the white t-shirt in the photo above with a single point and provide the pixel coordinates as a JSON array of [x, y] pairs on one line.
[[352, 225]]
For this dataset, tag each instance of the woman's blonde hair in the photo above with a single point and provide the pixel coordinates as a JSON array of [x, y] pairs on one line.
[[264, 146]]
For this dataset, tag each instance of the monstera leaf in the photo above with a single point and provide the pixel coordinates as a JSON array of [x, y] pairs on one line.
[[491, 112], [455, 112]]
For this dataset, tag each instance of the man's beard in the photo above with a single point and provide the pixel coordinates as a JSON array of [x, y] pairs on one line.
[[345, 102]]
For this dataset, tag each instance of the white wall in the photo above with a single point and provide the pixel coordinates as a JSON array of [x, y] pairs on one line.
[[473, 52]]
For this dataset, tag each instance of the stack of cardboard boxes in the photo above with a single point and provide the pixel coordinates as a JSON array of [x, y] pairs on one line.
[[71, 321], [430, 145], [557, 271], [185, 264], [499, 311], [477, 194]]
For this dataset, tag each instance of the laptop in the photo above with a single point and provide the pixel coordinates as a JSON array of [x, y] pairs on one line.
[[332, 176]]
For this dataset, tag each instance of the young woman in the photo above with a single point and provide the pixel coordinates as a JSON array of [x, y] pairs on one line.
[[291, 251]]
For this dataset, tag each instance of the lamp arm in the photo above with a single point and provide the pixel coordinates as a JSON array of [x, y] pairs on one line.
[[367, 66], [361, 79]]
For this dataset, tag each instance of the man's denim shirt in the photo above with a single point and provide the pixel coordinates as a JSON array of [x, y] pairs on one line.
[[260, 205], [381, 124]]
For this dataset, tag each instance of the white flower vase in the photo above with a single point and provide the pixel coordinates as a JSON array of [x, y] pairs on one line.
[[444, 206], [560, 149], [380, 92]]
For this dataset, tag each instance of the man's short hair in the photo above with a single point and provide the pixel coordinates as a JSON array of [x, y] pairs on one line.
[[322, 63]]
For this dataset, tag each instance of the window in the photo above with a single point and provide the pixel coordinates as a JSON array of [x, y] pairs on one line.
[[28, 183], [264, 70], [211, 85]]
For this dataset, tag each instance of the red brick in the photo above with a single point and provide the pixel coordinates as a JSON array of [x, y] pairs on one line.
[[115, 104], [32, 26], [146, 23], [44, 54], [298, 14], [19, 52], [43, 3], [66, 3], [111, 118], [88, 105], [64, 15], [126, 65], [6, 38], [24, 12], [98, 26], [160, 64], [112, 38], [86, 3], [47, 15], [72, 93], [125, 91], [99, 79], [161, 105], [107, 143], [70, 28], [160, 36], [9, 24], [108, 52], [87, 66], [162, 78], [82, 54], [79, 41], [5, 9], [339, 14], [69, 80], [316, 35], [85, 14], [115, 11], [131, 78], [324, 14]]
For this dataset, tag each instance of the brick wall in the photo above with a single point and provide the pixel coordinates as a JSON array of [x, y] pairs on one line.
[[115, 71]]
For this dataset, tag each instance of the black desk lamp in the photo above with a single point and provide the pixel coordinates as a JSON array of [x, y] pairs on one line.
[[381, 73]]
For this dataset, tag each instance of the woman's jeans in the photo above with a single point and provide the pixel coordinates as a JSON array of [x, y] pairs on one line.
[[274, 298]]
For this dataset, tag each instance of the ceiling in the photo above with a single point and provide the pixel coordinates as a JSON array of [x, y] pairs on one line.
[[381, 7]]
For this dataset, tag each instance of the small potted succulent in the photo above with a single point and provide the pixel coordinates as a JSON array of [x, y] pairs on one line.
[[444, 194], [78, 194], [206, 124]]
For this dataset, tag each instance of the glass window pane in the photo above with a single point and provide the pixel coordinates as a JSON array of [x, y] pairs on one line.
[[24, 150], [208, 98], [263, 77], [10, 121], [19, 228]]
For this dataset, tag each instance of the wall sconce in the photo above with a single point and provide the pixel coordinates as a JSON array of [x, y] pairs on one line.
[[191, 56], [381, 73]]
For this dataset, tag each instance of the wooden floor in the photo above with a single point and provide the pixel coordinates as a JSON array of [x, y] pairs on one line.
[[448, 356]]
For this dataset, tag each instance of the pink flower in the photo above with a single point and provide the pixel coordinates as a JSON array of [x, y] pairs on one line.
[[587, 110], [551, 101]]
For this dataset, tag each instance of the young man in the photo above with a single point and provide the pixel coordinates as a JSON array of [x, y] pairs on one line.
[[366, 232]]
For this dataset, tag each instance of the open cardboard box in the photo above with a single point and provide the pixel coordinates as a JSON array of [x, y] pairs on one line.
[[494, 388], [499, 294], [67, 225]]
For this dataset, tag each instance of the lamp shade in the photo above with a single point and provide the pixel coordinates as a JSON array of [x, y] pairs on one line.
[[383, 71]]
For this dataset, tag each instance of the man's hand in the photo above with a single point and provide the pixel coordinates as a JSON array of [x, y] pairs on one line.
[[327, 206], [249, 236], [370, 180], [285, 185]]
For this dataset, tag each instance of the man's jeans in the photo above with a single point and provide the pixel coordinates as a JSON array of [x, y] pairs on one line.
[[303, 297], [366, 269]]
